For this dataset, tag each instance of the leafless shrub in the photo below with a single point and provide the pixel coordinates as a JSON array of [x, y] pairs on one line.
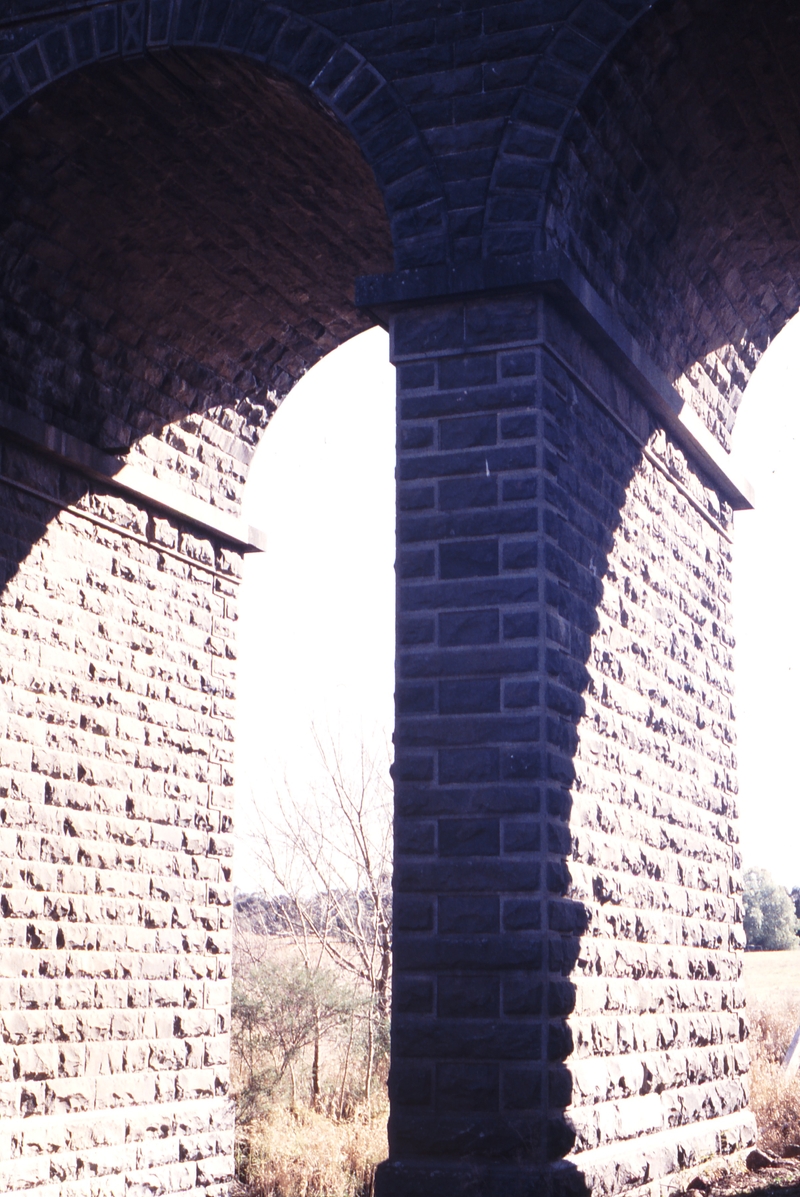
[[312, 983], [774, 1097], [327, 856]]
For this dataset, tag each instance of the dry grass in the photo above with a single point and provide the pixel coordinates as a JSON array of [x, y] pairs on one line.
[[306, 1154], [774, 1099], [289, 1142], [771, 978], [310, 1154], [772, 982]]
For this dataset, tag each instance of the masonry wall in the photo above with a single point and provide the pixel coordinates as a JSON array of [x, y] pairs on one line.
[[568, 1014], [659, 1058], [117, 666], [567, 1001]]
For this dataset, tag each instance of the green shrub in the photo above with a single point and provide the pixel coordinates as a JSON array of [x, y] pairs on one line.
[[770, 922]]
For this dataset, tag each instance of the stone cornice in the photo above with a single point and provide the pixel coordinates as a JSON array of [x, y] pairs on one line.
[[116, 472], [553, 273]]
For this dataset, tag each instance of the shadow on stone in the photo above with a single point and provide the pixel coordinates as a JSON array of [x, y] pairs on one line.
[[565, 984]]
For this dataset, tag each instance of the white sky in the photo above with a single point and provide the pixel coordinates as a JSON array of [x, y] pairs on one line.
[[767, 611], [316, 637], [316, 633]]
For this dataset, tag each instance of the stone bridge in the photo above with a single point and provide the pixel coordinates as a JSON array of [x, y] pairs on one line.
[[579, 219]]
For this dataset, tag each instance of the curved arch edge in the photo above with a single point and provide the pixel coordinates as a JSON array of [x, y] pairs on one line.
[[276, 38], [518, 198], [552, 272]]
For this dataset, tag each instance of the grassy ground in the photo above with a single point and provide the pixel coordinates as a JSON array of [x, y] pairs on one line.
[[772, 978], [306, 1154], [772, 985]]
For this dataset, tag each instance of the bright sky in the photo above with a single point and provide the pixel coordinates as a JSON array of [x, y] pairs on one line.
[[317, 612], [316, 635], [766, 611]]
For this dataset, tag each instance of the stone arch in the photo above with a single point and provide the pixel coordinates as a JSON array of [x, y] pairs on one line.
[[648, 144], [532, 434], [534, 133], [283, 41], [164, 284], [698, 163], [371, 163], [146, 340]]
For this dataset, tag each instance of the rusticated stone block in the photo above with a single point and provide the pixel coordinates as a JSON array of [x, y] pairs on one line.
[[568, 987], [603, 725], [104, 940]]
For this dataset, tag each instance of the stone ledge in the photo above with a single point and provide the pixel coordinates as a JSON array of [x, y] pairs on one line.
[[553, 273], [656, 1165], [677, 1183], [114, 471]]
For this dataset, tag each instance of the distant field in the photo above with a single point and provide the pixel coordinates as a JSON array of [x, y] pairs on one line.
[[772, 976]]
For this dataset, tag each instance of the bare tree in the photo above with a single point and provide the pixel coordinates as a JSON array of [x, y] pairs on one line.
[[279, 1008], [329, 855]]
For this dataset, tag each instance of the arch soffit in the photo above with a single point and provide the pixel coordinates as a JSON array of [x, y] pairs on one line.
[[283, 41], [705, 94], [727, 296], [526, 160]]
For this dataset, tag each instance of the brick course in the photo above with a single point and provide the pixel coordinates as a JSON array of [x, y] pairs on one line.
[[189, 192], [566, 924], [115, 815]]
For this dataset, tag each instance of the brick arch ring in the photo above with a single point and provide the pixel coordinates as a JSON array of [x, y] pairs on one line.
[[527, 158], [277, 38]]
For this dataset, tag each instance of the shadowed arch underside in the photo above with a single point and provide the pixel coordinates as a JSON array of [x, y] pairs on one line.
[[179, 233], [678, 190]]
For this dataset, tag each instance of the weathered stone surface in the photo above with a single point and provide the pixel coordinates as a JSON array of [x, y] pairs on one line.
[[114, 945], [188, 194], [586, 976], [184, 237]]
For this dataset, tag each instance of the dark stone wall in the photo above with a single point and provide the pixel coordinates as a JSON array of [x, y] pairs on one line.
[[609, 129], [180, 234], [566, 981]]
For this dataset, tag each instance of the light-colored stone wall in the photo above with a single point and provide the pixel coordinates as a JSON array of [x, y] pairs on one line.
[[117, 664], [659, 1057]]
